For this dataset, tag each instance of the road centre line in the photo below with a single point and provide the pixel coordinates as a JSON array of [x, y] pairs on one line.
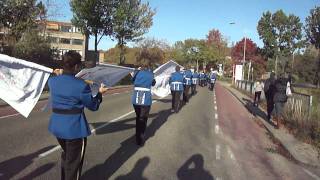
[[218, 152], [93, 131], [216, 129], [231, 153], [11, 115], [17, 114]]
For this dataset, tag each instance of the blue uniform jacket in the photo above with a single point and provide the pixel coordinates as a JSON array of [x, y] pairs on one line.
[[195, 78], [202, 76], [187, 77], [213, 77], [176, 81], [142, 81], [68, 92]]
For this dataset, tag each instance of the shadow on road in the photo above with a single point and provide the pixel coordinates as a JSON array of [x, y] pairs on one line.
[[125, 151], [117, 126], [12, 167], [254, 110], [137, 171], [193, 168]]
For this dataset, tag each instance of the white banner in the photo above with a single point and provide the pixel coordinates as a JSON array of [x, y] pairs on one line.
[[238, 73], [162, 75], [107, 74], [21, 83]]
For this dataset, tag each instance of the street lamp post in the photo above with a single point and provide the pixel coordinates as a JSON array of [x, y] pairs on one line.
[[196, 50], [244, 56], [244, 52]]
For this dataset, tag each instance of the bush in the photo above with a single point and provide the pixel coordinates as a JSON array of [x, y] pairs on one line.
[[35, 48]]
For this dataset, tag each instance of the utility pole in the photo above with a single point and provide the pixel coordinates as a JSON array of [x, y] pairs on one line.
[[244, 56]]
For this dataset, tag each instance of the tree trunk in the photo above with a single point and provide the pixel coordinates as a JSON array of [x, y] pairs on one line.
[[317, 76], [122, 54], [96, 48], [86, 46]]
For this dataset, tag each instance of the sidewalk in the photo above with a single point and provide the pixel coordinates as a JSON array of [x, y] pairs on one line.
[[302, 152]]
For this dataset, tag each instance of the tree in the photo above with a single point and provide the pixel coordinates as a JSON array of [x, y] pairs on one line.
[[152, 52], [93, 17], [35, 48], [19, 16], [312, 29], [305, 66], [252, 54], [132, 19], [281, 35]]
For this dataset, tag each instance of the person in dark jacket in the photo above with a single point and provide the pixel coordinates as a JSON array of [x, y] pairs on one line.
[[187, 84], [68, 123], [280, 97], [269, 90], [142, 79], [176, 86]]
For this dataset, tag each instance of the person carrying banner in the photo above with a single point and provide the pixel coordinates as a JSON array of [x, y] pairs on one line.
[[68, 123], [142, 79], [212, 79], [195, 79], [176, 86], [187, 85]]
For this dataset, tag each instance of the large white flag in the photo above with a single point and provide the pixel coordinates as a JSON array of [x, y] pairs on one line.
[[162, 75], [107, 74], [21, 83]]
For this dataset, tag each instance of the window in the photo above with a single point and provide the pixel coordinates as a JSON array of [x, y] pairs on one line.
[[77, 42], [65, 28], [53, 39], [65, 41]]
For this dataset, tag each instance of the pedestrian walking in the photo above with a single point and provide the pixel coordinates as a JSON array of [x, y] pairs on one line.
[[269, 91], [68, 123], [280, 97], [176, 86], [195, 79], [142, 79], [257, 88], [187, 85]]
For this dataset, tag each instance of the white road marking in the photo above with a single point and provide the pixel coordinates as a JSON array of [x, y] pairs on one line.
[[2, 117], [93, 131], [311, 174], [230, 153], [216, 129], [56, 148], [16, 114], [215, 108], [218, 178], [112, 121], [218, 153], [216, 116]]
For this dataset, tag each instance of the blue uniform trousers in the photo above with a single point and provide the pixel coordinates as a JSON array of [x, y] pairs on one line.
[[186, 93], [142, 113], [72, 157], [176, 98]]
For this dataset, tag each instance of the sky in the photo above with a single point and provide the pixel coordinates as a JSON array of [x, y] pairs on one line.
[[177, 20]]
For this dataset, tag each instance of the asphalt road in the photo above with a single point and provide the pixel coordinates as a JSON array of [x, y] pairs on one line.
[[212, 137]]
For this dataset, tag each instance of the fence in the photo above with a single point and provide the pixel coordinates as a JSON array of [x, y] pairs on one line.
[[298, 106]]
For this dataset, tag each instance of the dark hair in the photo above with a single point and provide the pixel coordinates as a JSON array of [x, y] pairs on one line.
[[70, 60], [177, 68]]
